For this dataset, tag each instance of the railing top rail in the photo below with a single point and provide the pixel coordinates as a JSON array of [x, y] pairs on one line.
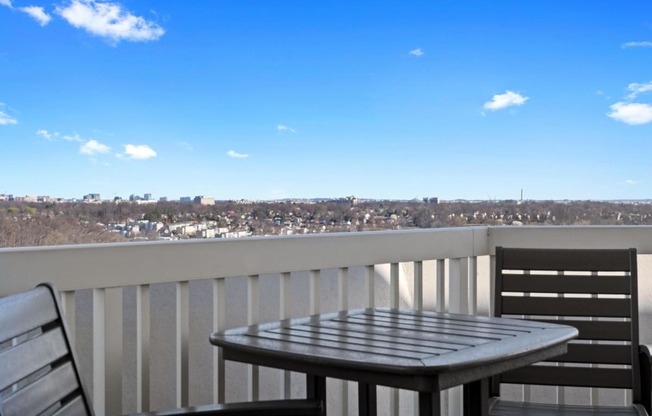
[[126, 264]]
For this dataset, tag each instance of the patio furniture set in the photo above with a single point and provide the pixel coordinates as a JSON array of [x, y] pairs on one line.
[[561, 317]]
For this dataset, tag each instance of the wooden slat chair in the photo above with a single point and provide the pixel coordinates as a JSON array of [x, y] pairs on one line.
[[39, 373], [593, 290]]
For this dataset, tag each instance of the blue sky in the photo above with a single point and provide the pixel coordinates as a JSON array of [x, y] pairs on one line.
[[377, 99]]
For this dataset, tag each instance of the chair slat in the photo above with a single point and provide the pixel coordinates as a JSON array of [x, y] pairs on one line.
[[26, 311], [42, 393], [566, 284], [572, 260], [597, 330], [596, 354], [74, 408], [519, 305], [28, 357], [570, 376]]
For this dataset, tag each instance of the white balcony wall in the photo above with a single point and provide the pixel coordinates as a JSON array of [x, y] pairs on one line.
[[141, 313]]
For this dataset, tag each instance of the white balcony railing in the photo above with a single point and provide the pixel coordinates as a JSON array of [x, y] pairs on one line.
[[141, 313]]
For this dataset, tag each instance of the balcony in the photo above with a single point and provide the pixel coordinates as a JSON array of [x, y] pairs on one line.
[[141, 313]]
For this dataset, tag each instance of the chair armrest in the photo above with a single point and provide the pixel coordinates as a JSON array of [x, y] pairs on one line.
[[645, 361], [299, 407]]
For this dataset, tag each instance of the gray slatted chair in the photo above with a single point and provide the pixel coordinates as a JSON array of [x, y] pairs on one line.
[[39, 373], [523, 279]]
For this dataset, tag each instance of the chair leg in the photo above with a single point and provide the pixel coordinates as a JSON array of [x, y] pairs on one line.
[[316, 389]]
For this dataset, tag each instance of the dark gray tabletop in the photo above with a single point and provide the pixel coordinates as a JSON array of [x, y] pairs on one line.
[[422, 351]]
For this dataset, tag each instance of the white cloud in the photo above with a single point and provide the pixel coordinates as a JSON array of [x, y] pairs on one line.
[[5, 3], [508, 99], [47, 134], [234, 154], [73, 138], [37, 14], [631, 113], [110, 21], [141, 151], [642, 44], [418, 52], [93, 147], [631, 182], [283, 128], [635, 89], [6, 119]]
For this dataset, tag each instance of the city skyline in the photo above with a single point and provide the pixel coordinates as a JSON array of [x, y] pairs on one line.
[[272, 100]]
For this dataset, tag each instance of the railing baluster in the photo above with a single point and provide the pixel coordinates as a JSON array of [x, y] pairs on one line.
[[219, 317], [370, 282], [284, 313], [441, 285], [252, 319], [99, 378], [142, 348], [183, 324], [68, 304], [418, 285], [343, 304], [113, 350], [315, 291], [458, 303], [394, 301], [473, 285]]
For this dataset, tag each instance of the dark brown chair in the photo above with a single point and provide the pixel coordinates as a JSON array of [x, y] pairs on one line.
[[39, 372], [593, 290]]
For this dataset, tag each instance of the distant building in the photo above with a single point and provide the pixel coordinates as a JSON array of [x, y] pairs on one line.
[[148, 197], [204, 200], [163, 199], [185, 200], [92, 198], [433, 200]]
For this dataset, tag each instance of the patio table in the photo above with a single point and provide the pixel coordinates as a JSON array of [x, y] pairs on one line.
[[416, 350]]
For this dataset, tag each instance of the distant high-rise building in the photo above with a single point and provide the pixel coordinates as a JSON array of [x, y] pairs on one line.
[[163, 199], [204, 200], [92, 198], [185, 200], [148, 197]]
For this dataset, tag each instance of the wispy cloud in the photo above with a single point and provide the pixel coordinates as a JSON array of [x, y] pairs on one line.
[[418, 52], [283, 129], [93, 147], [639, 44], [109, 20], [507, 99], [140, 152], [6, 3], [6, 119], [47, 134], [631, 113], [73, 138], [38, 14], [635, 89], [186, 145], [631, 182], [234, 154]]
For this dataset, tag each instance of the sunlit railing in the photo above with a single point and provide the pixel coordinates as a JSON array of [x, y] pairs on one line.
[[141, 313]]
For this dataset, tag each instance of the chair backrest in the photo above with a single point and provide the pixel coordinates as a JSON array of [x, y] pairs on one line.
[[593, 290], [38, 370]]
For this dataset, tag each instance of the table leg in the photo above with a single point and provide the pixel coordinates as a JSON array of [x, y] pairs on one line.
[[429, 404], [316, 389], [366, 399], [476, 398]]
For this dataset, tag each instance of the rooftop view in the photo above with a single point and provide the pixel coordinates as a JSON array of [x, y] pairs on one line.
[[268, 100]]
